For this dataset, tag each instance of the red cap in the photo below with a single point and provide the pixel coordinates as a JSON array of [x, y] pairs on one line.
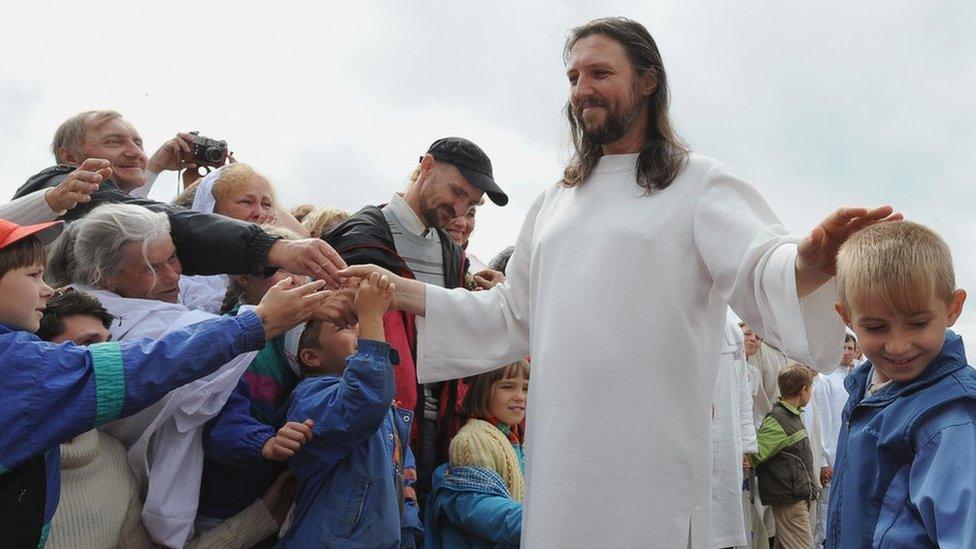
[[12, 232]]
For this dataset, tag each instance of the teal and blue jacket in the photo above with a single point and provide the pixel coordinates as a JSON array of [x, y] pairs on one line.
[[471, 508], [51, 393], [904, 475]]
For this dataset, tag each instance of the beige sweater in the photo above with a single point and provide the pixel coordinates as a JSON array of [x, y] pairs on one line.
[[100, 505]]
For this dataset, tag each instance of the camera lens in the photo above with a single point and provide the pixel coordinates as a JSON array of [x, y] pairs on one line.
[[214, 154]]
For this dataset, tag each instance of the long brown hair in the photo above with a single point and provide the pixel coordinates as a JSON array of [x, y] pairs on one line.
[[664, 153]]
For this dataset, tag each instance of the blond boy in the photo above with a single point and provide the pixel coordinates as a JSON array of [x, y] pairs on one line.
[[904, 474]]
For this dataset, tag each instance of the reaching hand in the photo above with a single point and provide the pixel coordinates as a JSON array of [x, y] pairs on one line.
[[175, 154], [77, 187], [308, 256], [288, 440], [488, 278], [374, 296], [283, 307], [826, 473], [339, 308]]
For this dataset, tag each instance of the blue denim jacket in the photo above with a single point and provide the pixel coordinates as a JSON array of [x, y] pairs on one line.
[[904, 475], [350, 491]]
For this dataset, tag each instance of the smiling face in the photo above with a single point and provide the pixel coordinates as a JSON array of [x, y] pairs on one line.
[[441, 193], [506, 402], [23, 295], [118, 142], [607, 97], [899, 344], [158, 279], [460, 228], [751, 340]]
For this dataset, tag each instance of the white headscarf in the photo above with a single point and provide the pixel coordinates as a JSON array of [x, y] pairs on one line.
[[205, 293], [204, 200]]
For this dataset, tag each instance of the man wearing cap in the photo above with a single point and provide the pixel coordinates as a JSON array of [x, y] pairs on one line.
[[406, 236]]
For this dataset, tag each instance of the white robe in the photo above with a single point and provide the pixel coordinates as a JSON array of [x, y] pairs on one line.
[[621, 300], [164, 441], [733, 433]]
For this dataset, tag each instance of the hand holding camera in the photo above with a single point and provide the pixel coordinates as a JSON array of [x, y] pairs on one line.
[[189, 150]]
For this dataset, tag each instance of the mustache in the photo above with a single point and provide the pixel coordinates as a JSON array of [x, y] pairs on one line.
[[590, 103]]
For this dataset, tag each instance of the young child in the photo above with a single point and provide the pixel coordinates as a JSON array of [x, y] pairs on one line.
[[353, 472], [904, 473], [51, 393], [784, 462], [477, 497]]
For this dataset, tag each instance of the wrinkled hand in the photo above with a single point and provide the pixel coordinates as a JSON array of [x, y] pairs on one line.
[[288, 440], [488, 278], [339, 308], [375, 295], [826, 473], [279, 497], [308, 256], [77, 187], [175, 154], [284, 307]]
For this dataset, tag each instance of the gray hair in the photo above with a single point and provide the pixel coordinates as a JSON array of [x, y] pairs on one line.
[[71, 133], [100, 236]]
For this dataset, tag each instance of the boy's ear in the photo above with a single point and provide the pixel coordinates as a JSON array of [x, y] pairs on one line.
[[956, 302], [845, 315], [309, 357]]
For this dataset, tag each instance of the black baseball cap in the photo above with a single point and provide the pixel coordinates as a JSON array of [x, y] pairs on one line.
[[472, 162]]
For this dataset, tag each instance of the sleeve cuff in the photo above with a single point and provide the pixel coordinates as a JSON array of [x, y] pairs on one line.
[[257, 252], [376, 350], [252, 329]]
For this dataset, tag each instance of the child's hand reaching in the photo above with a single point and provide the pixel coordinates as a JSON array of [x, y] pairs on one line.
[[289, 440], [373, 299]]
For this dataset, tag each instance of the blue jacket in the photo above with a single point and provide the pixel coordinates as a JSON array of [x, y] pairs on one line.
[[51, 393], [904, 475], [234, 472], [350, 490], [470, 507]]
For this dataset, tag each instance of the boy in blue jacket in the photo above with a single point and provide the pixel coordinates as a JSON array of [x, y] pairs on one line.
[[904, 474], [355, 472], [51, 393]]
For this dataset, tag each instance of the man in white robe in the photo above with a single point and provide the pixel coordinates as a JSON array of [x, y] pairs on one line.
[[618, 289]]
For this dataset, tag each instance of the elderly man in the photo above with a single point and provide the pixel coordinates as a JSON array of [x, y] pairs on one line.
[[407, 237], [101, 150], [618, 288]]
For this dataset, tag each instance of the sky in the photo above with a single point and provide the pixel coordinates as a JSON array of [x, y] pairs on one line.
[[817, 104]]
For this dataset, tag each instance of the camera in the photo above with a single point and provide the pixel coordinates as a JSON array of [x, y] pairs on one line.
[[208, 152]]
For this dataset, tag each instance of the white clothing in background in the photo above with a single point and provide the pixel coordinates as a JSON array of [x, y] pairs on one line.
[[164, 441], [733, 434], [621, 300]]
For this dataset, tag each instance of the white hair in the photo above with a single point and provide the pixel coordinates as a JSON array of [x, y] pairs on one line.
[[100, 237]]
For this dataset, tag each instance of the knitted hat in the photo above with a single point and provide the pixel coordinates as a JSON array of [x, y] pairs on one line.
[[481, 444]]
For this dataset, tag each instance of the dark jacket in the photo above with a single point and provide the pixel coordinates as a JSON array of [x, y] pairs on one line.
[[365, 237], [205, 243], [785, 472], [904, 475]]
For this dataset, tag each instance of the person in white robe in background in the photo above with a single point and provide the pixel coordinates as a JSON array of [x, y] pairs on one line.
[[618, 289], [831, 398], [733, 435]]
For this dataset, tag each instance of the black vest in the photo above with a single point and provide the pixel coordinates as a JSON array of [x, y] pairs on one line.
[[788, 476], [23, 492]]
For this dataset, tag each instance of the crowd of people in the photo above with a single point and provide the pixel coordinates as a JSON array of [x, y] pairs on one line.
[[228, 371]]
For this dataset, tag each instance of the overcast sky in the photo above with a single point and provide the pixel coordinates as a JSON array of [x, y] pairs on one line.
[[818, 104]]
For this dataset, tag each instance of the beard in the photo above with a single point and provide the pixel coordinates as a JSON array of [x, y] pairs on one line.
[[618, 121], [436, 217]]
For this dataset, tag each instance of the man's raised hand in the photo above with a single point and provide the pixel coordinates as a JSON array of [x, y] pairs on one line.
[[77, 187], [816, 259], [308, 256], [175, 154]]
